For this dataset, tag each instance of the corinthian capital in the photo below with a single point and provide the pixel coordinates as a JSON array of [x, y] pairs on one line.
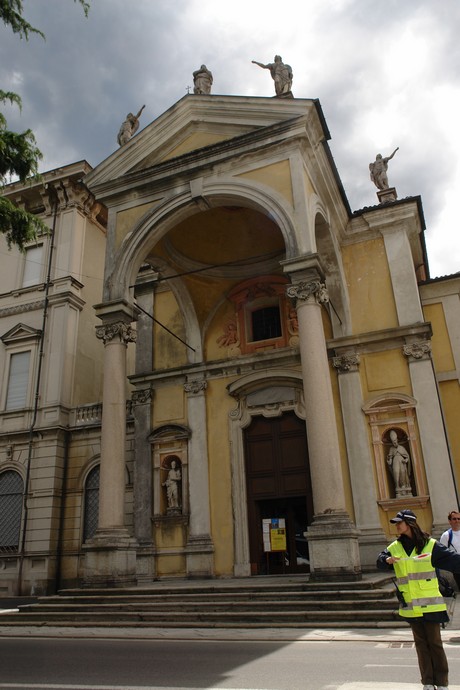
[[346, 363], [308, 291], [120, 330]]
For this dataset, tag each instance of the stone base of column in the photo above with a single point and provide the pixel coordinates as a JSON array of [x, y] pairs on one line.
[[242, 570], [371, 542], [145, 564], [110, 559], [200, 556], [333, 548]]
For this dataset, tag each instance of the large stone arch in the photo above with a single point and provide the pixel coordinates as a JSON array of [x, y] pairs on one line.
[[164, 216]]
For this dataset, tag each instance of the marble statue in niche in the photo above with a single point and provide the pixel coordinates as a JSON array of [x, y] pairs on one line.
[[399, 464], [173, 484]]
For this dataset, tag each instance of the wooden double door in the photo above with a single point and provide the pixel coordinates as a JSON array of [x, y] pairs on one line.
[[278, 487]]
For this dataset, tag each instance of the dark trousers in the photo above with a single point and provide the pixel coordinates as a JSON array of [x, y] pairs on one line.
[[432, 659]]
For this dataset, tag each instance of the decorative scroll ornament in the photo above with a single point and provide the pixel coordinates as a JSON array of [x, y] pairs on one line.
[[346, 363], [195, 387], [123, 331], [418, 350], [306, 291], [141, 397]]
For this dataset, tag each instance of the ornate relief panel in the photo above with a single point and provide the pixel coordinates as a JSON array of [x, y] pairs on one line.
[[264, 318]]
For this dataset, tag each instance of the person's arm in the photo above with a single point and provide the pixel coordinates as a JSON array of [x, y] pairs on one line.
[[254, 62], [382, 561], [444, 539], [388, 158], [445, 559]]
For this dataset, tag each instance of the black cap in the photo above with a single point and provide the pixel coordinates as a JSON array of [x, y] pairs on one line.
[[406, 515]]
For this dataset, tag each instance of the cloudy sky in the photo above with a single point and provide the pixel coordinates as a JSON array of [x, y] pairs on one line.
[[387, 74]]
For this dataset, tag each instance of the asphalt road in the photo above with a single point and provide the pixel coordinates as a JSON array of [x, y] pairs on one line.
[[130, 664]]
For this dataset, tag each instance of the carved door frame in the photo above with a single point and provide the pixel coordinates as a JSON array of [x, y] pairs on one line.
[[284, 391]]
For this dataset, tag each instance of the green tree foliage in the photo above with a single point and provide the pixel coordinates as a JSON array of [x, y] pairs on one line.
[[19, 155]]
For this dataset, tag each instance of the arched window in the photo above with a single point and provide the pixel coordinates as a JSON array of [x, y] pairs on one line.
[[11, 491], [91, 516]]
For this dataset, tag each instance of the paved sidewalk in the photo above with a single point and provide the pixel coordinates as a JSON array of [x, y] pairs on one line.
[[450, 635]]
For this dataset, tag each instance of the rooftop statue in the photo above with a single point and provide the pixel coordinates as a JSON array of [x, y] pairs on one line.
[[378, 170], [202, 79], [281, 75], [129, 127]]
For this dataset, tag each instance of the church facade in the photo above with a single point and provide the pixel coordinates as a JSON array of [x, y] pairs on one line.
[[248, 377]]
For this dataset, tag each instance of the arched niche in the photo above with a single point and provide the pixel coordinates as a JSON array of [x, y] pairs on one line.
[[393, 418], [169, 444]]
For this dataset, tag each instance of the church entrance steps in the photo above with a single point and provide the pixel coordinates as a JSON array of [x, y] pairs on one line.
[[280, 602]]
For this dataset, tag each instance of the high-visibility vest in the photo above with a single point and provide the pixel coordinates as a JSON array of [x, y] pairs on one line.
[[417, 581]]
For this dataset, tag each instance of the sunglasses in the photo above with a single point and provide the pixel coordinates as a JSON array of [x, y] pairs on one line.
[[454, 519]]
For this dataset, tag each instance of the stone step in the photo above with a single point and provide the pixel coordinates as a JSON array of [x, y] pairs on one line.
[[275, 602], [234, 585], [185, 598], [206, 605], [314, 618]]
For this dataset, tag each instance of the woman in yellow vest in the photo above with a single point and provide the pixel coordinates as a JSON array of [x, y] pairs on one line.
[[414, 556]]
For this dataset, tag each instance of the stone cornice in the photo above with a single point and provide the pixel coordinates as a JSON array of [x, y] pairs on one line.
[[218, 369], [376, 340], [63, 188]]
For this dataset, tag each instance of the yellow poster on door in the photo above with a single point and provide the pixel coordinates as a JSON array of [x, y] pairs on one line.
[[274, 534]]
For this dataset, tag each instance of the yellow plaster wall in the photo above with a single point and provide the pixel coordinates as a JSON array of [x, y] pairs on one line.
[[450, 396], [173, 564], [168, 351], [369, 285], [219, 405], [197, 140], [440, 341], [384, 371], [168, 405], [126, 220], [277, 176]]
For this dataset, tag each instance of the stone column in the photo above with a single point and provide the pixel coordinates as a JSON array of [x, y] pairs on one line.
[[142, 411], [199, 549], [433, 437], [110, 555], [360, 461], [333, 539]]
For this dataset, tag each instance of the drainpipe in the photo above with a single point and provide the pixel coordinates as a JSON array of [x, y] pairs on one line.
[[25, 511]]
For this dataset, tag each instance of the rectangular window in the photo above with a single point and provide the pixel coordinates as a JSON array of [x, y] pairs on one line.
[[266, 323], [33, 265], [18, 380]]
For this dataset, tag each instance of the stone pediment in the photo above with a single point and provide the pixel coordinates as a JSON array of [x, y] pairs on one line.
[[21, 332], [196, 122]]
